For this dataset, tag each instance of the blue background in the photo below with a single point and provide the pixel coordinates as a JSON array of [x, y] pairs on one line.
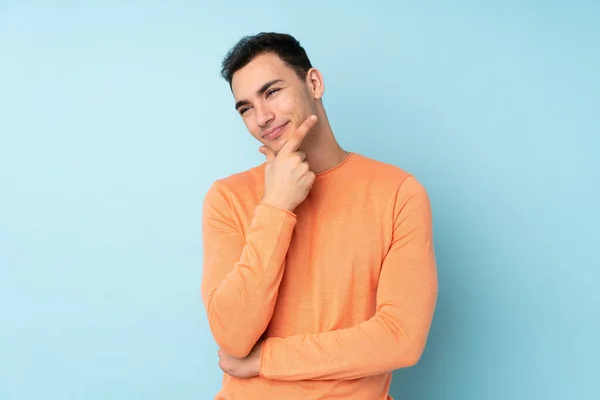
[[114, 122]]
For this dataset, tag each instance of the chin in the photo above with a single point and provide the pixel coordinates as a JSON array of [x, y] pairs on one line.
[[277, 146]]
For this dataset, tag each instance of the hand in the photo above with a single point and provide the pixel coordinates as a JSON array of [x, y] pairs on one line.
[[246, 367], [288, 178]]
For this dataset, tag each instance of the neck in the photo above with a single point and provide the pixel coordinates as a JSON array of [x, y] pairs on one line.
[[323, 152]]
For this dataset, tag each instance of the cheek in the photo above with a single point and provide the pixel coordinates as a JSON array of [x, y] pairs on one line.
[[252, 127], [294, 109], [288, 104]]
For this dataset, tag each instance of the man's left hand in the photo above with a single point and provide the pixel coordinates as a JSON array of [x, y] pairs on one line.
[[246, 367]]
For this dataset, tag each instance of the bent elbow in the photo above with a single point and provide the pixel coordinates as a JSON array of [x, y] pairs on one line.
[[235, 347], [406, 359], [236, 334], [412, 358], [409, 354], [228, 337]]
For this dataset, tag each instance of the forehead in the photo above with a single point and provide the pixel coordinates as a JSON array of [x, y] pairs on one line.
[[263, 68]]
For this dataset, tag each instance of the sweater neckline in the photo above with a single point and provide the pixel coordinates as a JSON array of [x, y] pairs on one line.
[[335, 168]]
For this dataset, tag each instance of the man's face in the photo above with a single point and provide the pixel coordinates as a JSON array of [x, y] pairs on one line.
[[271, 99]]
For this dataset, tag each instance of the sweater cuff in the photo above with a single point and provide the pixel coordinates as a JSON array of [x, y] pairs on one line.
[[261, 204]]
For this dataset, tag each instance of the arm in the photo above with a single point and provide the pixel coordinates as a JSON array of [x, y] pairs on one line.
[[395, 336], [240, 279]]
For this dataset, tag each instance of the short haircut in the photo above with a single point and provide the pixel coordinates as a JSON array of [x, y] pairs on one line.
[[283, 45]]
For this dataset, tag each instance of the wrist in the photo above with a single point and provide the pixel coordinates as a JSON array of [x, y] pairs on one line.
[[259, 359], [277, 203], [257, 365]]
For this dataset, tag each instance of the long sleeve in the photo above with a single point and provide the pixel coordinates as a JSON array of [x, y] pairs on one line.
[[395, 336], [241, 275]]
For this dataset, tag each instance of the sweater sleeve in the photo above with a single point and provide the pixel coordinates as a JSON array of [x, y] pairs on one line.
[[395, 336], [241, 272]]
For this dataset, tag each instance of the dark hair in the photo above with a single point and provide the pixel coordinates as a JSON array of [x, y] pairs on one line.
[[284, 45]]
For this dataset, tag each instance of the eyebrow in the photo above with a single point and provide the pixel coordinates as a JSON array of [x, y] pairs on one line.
[[260, 91]]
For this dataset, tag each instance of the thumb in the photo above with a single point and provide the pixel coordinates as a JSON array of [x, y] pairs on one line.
[[267, 152]]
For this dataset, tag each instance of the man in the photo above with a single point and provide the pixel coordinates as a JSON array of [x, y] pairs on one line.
[[319, 276]]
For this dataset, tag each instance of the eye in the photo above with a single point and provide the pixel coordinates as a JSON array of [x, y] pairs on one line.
[[242, 110], [272, 91]]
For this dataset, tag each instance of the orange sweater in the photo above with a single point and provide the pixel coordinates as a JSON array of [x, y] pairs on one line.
[[343, 289]]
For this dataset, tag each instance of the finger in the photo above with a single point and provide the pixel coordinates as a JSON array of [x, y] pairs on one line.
[[304, 167], [308, 178], [297, 137], [302, 155], [267, 152]]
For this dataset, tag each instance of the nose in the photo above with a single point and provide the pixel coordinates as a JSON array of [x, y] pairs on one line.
[[263, 115]]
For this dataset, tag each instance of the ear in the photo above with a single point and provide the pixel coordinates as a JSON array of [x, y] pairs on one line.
[[315, 83]]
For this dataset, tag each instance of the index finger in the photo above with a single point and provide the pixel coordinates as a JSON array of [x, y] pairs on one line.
[[297, 137], [267, 152]]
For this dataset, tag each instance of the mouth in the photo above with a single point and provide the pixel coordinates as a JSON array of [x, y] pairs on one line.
[[274, 133]]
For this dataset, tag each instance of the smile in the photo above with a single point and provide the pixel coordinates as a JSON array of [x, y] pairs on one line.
[[274, 133]]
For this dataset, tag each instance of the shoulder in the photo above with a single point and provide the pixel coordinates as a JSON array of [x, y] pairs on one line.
[[389, 180], [383, 173], [240, 184]]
